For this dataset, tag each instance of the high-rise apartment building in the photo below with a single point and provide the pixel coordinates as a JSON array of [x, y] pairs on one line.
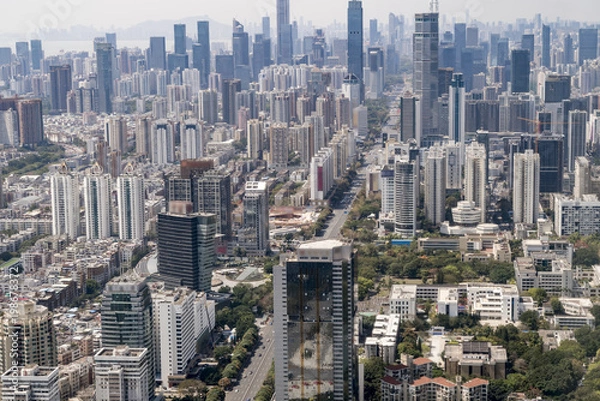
[[162, 144], [425, 81], [284, 33], [124, 373], [104, 80], [314, 319], [115, 133], [279, 144], [410, 118], [64, 191], [192, 142], [35, 339], [406, 183], [355, 39], [31, 124], [254, 134], [130, 205], [60, 85], [97, 188], [526, 190], [214, 197], [254, 234], [476, 177], [143, 130], [186, 247], [230, 88], [435, 185], [127, 320], [457, 113]]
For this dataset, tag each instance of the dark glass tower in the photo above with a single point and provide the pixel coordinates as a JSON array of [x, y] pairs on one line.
[[37, 54], [23, 56], [104, 66], [528, 43], [127, 317], [186, 249], [460, 42], [284, 33], [60, 84], [355, 39], [550, 147], [520, 71], [588, 44], [230, 88], [314, 311], [157, 55], [568, 49], [179, 30], [545, 46], [241, 54], [204, 53]]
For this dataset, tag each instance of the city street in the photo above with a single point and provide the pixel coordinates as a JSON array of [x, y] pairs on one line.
[[256, 372]]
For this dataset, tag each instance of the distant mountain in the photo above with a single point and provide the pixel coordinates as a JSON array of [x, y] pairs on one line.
[[141, 31]]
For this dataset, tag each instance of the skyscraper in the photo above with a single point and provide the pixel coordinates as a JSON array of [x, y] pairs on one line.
[[240, 45], [460, 41], [207, 106], [111, 38], [425, 81], [279, 144], [23, 57], [284, 33], [406, 184], [31, 124], [162, 144], [115, 133], [180, 38], [254, 234], [588, 44], [410, 118], [64, 191], [204, 57], [214, 197], [130, 204], [60, 84], [545, 46], [435, 185], [157, 56], [254, 132], [37, 54], [104, 66], [550, 147], [568, 49], [230, 88], [526, 190], [126, 313], [314, 315], [475, 177], [528, 43], [35, 339], [192, 143], [355, 38], [97, 190], [520, 71], [266, 27], [457, 113], [186, 247], [576, 138]]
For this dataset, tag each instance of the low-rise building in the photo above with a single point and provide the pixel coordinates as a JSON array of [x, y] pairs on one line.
[[31, 383], [475, 358]]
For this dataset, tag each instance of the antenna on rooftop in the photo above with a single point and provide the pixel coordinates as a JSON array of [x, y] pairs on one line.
[[434, 6]]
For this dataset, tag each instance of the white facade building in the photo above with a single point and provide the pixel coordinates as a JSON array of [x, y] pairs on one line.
[[475, 177], [192, 141], [526, 188], [123, 374], [130, 204], [98, 212], [31, 383], [576, 216], [64, 190]]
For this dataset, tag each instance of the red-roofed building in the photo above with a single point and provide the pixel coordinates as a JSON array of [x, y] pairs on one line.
[[475, 390]]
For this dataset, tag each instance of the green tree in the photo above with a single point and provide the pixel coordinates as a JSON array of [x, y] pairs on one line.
[[539, 295], [557, 306], [531, 319], [374, 371]]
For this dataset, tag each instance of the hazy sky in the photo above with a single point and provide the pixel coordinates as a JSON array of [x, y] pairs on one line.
[[26, 15]]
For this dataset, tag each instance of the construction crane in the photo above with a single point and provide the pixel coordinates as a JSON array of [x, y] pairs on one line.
[[539, 124]]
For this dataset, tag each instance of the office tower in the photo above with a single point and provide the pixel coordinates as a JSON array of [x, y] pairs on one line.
[[582, 178], [475, 177], [112, 39], [343, 114], [192, 143], [35, 339], [157, 56], [278, 146], [425, 58], [526, 190], [254, 133], [375, 78], [435, 185], [130, 205], [550, 147], [457, 113], [97, 201], [224, 65], [355, 39], [186, 247], [180, 39], [520, 71], [406, 183], [545, 46], [314, 348], [569, 53], [557, 88], [64, 190], [115, 133], [104, 79], [37, 54], [472, 36], [34, 383], [60, 85], [204, 42], [241, 54], [5, 55], [503, 53], [460, 41], [230, 88], [588, 44], [261, 55], [576, 138], [31, 124], [214, 197], [207, 106], [410, 118], [453, 166], [284, 33], [126, 313], [528, 43], [124, 373], [254, 234], [23, 57], [143, 130], [162, 142]]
